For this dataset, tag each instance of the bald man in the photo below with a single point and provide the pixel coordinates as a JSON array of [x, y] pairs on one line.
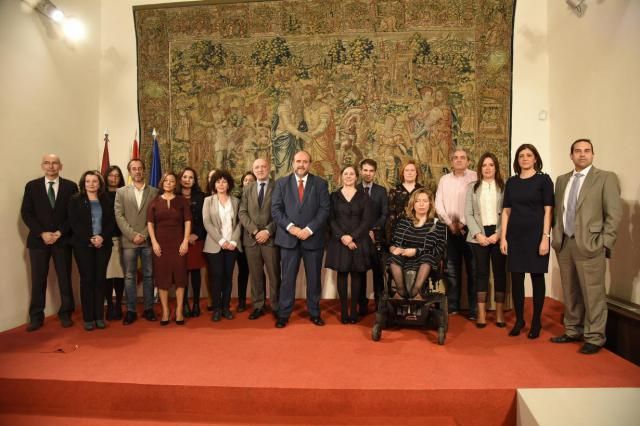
[[44, 211]]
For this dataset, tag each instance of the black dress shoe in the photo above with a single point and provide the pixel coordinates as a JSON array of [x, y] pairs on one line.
[[473, 316], [241, 307], [66, 322], [317, 321], [353, 319], [501, 324], [515, 331], [564, 339], [149, 315], [34, 325], [590, 349], [195, 310], [281, 323], [217, 315], [129, 318], [185, 309], [344, 319], [534, 331], [227, 314], [257, 313]]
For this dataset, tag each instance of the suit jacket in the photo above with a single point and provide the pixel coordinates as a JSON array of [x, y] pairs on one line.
[[379, 205], [598, 212], [81, 222], [130, 219], [39, 216], [472, 214], [312, 212], [213, 224], [255, 218]]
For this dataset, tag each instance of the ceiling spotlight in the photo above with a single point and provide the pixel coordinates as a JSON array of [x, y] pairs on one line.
[[578, 6], [57, 15], [73, 29]]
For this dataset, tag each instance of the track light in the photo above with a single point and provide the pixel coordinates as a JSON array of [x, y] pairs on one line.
[[577, 6], [72, 28]]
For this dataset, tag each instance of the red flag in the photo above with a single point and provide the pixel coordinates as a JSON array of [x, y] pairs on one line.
[[105, 155], [135, 152]]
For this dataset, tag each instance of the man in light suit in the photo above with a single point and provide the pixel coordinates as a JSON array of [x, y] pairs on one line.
[[379, 211], [131, 215], [300, 208], [44, 211], [258, 237], [588, 211]]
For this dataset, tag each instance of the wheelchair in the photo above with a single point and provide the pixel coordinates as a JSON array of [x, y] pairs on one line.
[[430, 311]]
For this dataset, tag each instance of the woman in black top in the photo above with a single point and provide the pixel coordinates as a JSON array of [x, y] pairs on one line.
[[418, 242], [399, 196], [114, 179], [349, 250], [190, 190], [526, 231], [92, 224]]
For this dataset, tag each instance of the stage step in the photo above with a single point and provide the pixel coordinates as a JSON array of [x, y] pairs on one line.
[[583, 406]]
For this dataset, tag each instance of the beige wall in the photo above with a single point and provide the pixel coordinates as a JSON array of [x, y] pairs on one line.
[[57, 97], [49, 103], [594, 64]]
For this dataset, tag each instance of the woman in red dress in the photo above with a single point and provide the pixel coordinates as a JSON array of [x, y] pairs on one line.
[[169, 223]]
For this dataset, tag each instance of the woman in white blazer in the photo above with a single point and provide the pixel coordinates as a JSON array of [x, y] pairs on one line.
[[222, 245], [483, 208]]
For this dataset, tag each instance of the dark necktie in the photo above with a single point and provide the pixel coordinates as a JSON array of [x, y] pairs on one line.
[[570, 225], [368, 190], [51, 194], [300, 189], [261, 194]]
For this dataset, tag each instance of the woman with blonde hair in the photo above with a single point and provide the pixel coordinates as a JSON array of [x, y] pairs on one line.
[[417, 243]]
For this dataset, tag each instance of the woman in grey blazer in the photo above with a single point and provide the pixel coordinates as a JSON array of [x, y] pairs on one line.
[[220, 217], [482, 212]]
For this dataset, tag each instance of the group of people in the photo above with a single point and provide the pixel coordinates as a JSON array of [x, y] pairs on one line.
[[175, 230]]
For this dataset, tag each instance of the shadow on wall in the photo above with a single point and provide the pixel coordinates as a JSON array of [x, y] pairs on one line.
[[624, 264]]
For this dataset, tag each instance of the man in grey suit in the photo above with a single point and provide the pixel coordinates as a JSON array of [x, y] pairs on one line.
[[258, 238], [300, 208], [131, 215], [588, 211]]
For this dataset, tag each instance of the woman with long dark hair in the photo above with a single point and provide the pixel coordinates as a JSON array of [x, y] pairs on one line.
[[114, 179], [92, 222], [483, 209], [190, 190], [243, 266], [526, 232]]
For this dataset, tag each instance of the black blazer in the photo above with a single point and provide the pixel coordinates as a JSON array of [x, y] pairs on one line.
[[80, 220], [196, 202], [40, 217], [379, 205]]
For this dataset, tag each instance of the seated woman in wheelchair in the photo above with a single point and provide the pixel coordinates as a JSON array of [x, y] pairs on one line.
[[418, 242]]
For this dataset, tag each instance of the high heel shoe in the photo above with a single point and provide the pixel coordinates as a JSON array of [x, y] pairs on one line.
[[195, 310], [534, 332], [179, 322], [481, 324], [517, 327], [501, 324]]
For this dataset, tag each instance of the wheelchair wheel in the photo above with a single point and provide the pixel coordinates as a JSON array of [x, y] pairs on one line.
[[376, 332], [445, 314], [442, 334]]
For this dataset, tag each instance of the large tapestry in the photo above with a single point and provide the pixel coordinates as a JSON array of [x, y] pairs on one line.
[[225, 83]]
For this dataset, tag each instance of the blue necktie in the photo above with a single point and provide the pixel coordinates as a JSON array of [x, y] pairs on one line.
[[570, 225], [261, 194]]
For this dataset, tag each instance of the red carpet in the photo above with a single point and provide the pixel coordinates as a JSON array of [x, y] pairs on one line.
[[248, 372]]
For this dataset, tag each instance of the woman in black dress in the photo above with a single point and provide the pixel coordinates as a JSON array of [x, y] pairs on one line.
[[349, 249], [417, 244], [190, 190], [526, 230], [399, 196], [92, 223], [114, 179]]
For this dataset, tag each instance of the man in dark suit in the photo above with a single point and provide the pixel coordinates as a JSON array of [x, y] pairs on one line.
[[258, 238], [379, 211], [44, 211], [300, 208], [588, 211]]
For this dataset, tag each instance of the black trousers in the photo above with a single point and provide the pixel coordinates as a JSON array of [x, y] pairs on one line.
[[482, 257], [92, 265], [378, 272], [221, 266], [40, 258], [243, 278]]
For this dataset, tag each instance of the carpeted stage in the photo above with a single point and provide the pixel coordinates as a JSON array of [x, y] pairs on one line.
[[248, 372]]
